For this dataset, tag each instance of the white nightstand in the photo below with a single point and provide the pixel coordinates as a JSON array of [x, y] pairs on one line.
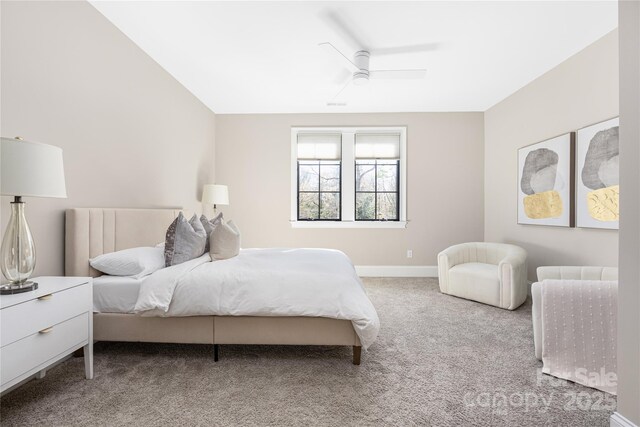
[[40, 327]]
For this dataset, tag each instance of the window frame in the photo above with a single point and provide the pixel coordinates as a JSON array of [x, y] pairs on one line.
[[375, 191], [347, 179], [319, 192]]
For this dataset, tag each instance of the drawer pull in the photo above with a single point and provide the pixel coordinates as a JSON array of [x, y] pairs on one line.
[[46, 331], [45, 297]]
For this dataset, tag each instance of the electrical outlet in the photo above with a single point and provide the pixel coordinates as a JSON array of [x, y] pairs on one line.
[[409, 253]]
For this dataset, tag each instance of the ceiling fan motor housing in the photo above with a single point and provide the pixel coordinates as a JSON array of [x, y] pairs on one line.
[[361, 60]]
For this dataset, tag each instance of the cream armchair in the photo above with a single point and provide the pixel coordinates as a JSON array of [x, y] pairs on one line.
[[561, 273], [490, 273]]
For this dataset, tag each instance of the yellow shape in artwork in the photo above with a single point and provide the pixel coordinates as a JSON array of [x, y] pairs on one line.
[[603, 203], [543, 205]]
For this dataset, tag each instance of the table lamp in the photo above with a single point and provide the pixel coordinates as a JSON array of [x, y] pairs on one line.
[[27, 169], [215, 194]]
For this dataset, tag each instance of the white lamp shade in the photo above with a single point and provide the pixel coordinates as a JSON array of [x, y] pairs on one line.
[[215, 194], [31, 169]]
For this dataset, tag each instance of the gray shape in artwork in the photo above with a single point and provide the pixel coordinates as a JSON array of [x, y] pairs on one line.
[[609, 171], [544, 179], [539, 171], [600, 168]]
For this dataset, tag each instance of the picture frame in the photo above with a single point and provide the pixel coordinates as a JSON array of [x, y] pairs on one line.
[[546, 182], [598, 175]]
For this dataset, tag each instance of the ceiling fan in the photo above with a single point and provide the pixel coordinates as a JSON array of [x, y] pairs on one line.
[[360, 73]]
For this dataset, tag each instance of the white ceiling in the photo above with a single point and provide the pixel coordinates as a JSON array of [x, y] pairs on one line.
[[263, 57]]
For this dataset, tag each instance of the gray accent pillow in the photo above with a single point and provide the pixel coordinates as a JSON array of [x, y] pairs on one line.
[[184, 241], [225, 241], [209, 226]]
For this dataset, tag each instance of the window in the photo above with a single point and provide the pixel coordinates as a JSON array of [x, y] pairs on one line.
[[351, 177], [377, 191], [319, 176]]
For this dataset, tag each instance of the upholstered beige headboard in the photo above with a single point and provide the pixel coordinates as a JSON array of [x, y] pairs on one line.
[[95, 231]]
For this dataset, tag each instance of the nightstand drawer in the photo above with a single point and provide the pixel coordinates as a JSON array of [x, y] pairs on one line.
[[30, 352], [22, 320]]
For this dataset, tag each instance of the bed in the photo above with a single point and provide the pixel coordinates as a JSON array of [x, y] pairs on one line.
[[94, 231]]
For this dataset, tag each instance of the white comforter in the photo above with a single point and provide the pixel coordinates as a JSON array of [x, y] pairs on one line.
[[263, 282]]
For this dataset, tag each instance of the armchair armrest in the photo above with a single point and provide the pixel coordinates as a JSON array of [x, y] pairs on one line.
[[443, 272], [452, 255], [513, 279], [536, 318], [447, 259]]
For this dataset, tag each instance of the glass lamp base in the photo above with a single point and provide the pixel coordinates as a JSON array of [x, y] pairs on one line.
[[18, 252], [18, 288]]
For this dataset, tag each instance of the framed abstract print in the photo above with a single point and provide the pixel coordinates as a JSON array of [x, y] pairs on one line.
[[598, 175], [545, 182]]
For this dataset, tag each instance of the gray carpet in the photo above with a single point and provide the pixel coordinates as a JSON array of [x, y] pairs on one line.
[[439, 360]]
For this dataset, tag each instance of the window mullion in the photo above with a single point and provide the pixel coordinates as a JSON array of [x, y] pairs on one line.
[[340, 192], [298, 190], [319, 190], [348, 178], [398, 190], [375, 191]]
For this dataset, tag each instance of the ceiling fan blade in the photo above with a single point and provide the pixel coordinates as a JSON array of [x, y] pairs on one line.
[[397, 74], [416, 48], [334, 101], [349, 63], [342, 76], [347, 29]]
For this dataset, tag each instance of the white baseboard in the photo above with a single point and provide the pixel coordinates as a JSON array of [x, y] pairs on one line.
[[618, 420], [397, 270]]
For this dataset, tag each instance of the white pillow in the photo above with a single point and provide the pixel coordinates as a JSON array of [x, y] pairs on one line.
[[225, 241], [134, 262]]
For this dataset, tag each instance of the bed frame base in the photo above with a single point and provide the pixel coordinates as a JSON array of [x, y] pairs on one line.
[[218, 330], [357, 352]]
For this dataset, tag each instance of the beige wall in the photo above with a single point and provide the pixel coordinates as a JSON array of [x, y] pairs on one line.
[[132, 135], [444, 184], [629, 290], [581, 91]]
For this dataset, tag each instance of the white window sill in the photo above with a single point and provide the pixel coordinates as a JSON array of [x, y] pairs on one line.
[[348, 224]]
